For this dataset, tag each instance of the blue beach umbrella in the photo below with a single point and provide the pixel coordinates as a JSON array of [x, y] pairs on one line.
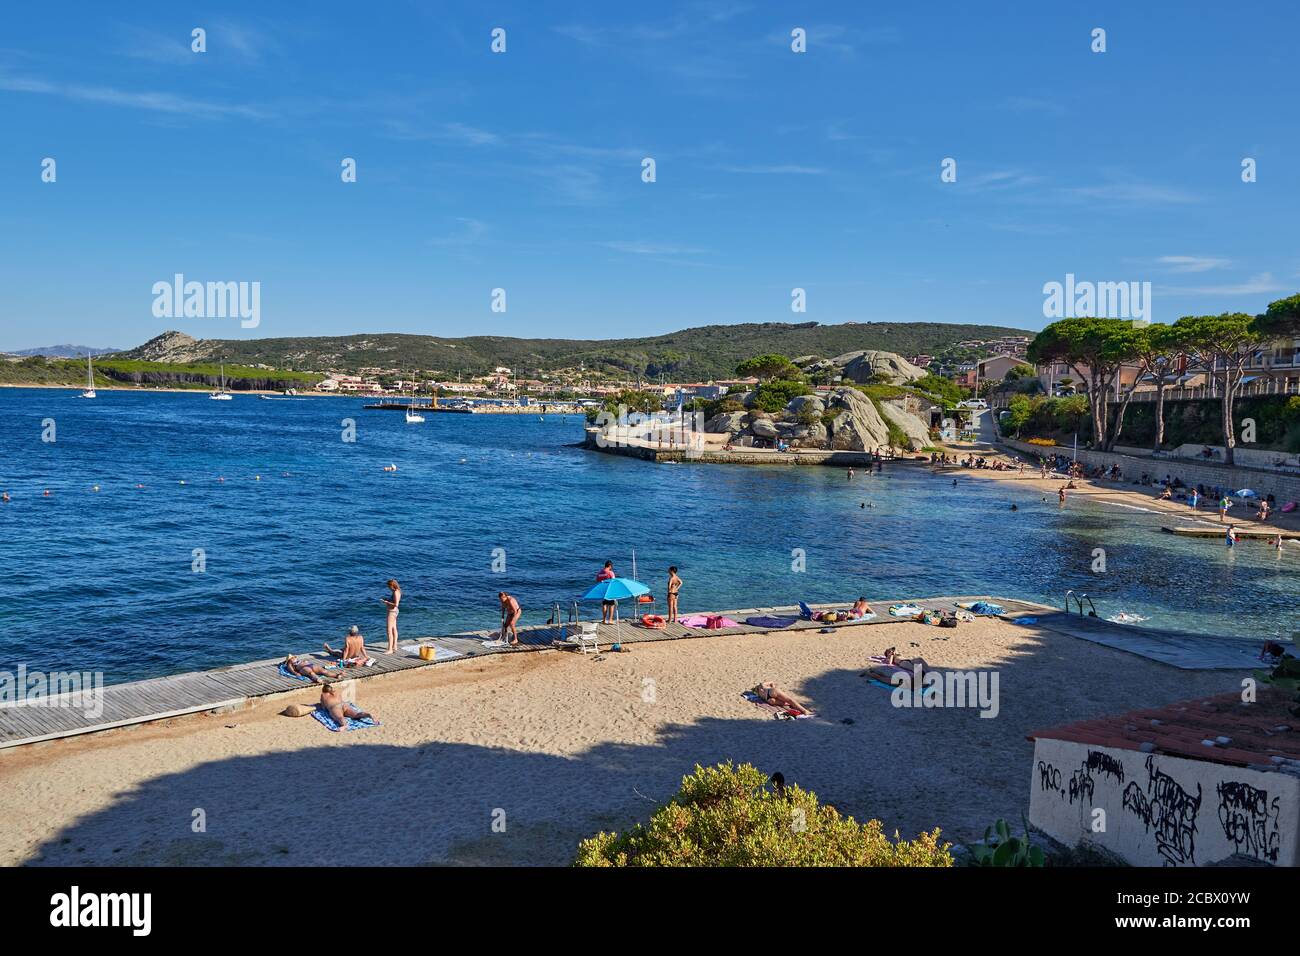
[[616, 589], [1246, 493]]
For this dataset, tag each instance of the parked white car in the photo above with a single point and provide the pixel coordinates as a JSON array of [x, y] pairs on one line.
[[973, 403]]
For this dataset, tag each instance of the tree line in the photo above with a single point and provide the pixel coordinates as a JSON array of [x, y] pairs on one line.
[[1221, 346]]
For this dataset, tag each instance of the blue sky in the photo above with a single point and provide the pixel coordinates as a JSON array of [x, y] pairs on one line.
[[522, 170]]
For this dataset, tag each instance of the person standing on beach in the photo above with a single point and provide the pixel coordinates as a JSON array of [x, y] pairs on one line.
[[1224, 505], [606, 607], [1193, 498], [510, 612], [392, 603], [674, 588]]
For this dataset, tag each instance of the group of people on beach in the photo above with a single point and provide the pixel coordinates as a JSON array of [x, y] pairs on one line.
[[511, 610]]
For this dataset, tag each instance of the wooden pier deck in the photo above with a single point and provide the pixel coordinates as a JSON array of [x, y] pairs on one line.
[[1219, 531], [161, 698]]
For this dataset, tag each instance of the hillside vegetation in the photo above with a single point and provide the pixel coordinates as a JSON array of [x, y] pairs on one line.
[[708, 352], [118, 371]]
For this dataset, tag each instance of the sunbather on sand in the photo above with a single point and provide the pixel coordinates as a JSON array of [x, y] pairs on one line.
[[309, 669], [354, 649], [908, 663], [338, 708], [771, 694]]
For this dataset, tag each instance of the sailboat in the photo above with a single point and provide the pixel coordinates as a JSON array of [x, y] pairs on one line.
[[89, 390], [221, 395], [412, 416]]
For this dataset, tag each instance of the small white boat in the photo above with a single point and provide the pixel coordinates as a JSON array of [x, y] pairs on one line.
[[89, 390], [221, 395], [412, 416]]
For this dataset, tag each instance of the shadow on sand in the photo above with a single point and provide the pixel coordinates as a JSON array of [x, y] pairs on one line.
[[374, 803]]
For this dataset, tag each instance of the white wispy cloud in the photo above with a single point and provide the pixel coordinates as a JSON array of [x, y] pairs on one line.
[[692, 22], [776, 170], [160, 102], [641, 248], [997, 179], [1132, 193], [1192, 263], [1256, 285], [223, 37], [469, 232], [840, 38]]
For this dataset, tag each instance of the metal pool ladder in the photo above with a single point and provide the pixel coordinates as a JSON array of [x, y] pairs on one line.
[[1079, 598]]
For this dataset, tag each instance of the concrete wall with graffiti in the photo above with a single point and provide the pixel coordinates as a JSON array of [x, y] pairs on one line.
[[1155, 810]]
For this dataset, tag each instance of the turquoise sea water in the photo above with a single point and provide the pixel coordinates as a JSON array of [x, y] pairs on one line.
[[104, 580]]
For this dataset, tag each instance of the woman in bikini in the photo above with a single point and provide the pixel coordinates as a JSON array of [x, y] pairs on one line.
[[340, 709], [860, 608], [392, 603], [309, 669], [769, 693], [510, 611]]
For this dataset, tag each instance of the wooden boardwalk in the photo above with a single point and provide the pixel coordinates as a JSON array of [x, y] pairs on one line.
[[160, 698]]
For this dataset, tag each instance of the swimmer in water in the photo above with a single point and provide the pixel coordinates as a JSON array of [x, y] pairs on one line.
[[1015, 507], [4, 496]]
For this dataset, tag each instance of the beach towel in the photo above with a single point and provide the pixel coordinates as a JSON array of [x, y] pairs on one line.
[[984, 607], [1025, 620], [904, 610], [805, 611], [707, 621], [440, 653], [322, 715], [769, 620], [779, 713]]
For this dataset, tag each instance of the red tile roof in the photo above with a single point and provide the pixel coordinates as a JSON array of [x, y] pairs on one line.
[[1255, 732]]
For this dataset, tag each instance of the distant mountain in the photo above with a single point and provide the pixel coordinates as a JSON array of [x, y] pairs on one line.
[[711, 351], [63, 351]]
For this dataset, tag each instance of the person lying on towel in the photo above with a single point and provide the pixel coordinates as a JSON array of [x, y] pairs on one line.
[[338, 708], [309, 669], [860, 608], [909, 667], [771, 694]]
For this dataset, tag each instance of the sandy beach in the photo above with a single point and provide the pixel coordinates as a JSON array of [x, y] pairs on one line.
[[557, 746], [1123, 493]]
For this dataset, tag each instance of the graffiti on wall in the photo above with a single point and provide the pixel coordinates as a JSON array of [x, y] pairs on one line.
[[1250, 819], [1169, 812]]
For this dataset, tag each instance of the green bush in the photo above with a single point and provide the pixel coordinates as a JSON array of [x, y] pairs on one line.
[[726, 816], [944, 388], [774, 395]]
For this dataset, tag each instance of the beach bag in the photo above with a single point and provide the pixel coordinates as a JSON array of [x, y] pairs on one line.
[[948, 622]]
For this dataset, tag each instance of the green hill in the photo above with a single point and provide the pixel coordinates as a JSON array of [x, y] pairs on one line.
[[711, 351]]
